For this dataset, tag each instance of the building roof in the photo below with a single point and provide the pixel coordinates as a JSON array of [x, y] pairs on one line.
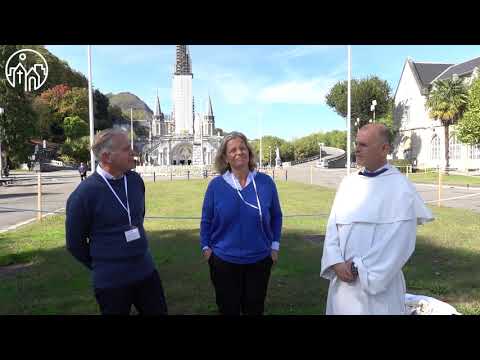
[[464, 68], [428, 71]]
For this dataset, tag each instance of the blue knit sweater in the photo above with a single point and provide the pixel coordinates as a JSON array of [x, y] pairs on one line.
[[95, 230], [232, 229]]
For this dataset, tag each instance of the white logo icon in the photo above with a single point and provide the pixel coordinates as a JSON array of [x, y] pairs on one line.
[[17, 73]]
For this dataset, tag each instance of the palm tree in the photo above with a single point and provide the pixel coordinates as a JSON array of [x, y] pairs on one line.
[[447, 101]]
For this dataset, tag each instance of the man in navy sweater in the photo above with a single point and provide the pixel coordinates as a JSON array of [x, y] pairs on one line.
[[104, 231]]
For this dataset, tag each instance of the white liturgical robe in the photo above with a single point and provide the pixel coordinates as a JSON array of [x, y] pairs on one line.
[[372, 222]]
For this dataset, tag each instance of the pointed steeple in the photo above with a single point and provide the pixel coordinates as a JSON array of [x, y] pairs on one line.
[[183, 63], [210, 111], [158, 110]]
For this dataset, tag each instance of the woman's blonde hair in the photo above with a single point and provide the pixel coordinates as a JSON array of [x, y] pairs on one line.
[[221, 164]]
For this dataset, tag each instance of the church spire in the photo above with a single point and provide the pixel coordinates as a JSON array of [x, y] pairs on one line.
[[183, 63], [210, 111], [158, 110]]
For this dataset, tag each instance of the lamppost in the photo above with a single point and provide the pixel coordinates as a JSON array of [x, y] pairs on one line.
[[269, 156], [1, 138], [321, 145], [372, 108]]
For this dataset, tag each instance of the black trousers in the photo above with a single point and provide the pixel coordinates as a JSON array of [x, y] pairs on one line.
[[240, 288], [146, 295]]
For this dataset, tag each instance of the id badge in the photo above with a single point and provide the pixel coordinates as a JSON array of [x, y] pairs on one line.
[[132, 234]]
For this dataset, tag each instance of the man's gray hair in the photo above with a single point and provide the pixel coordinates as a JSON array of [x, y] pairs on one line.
[[221, 164], [103, 141], [382, 131]]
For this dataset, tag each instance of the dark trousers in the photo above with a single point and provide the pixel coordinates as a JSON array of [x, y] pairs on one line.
[[146, 295], [240, 288], [83, 176]]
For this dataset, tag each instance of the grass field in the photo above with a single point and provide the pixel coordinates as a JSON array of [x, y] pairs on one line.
[[50, 281], [432, 178]]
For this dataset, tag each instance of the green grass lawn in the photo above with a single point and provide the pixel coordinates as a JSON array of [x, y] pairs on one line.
[[52, 282], [432, 178]]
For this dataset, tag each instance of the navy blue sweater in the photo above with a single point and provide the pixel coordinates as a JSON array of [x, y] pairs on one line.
[[95, 230], [232, 229]]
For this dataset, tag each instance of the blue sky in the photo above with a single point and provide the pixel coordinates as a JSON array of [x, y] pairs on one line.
[[283, 87]]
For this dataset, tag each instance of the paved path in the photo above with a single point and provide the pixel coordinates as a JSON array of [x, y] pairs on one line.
[[56, 187]]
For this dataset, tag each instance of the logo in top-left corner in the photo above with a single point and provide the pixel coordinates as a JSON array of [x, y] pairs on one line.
[[27, 68]]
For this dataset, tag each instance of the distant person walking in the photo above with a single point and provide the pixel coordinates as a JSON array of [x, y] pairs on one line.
[[82, 169]]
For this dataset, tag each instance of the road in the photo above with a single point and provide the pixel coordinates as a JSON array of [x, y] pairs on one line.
[[56, 186]]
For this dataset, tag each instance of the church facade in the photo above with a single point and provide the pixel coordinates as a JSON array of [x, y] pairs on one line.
[[185, 137], [421, 138]]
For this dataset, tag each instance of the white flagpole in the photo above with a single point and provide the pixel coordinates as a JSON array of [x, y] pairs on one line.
[[261, 135], [131, 128], [90, 107], [349, 140]]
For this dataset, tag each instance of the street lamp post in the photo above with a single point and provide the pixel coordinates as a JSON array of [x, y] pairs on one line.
[[1, 139], [131, 127], [269, 156], [320, 145]]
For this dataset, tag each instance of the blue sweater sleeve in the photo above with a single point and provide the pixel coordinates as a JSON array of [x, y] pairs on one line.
[[207, 217], [77, 225], [276, 216]]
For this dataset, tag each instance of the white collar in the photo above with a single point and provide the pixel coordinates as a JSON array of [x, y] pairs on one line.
[[228, 178], [386, 166], [106, 174]]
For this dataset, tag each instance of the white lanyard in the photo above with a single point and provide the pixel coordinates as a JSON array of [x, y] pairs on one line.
[[127, 208], [259, 208]]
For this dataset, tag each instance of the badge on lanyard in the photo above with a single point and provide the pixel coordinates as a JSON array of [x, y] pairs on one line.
[[133, 233]]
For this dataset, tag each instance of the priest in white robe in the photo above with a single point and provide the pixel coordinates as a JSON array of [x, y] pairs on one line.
[[371, 232]]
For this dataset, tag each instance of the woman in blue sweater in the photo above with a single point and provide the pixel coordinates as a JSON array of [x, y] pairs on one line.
[[240, 229]]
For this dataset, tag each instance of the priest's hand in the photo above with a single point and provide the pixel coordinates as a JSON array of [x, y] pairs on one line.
[[274, 256], [343, 271], [207, 253]]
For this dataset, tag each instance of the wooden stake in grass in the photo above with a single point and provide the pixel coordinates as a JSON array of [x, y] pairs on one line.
[[439, 187], [39, 196]]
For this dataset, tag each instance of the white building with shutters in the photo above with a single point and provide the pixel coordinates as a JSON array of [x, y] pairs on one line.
[[420, 138]]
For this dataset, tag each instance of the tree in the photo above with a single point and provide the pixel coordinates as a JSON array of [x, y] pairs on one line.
[[18, 122], [75, 103], [362, 93], [469, 126], [447, 102], [76, 150], [75, 128], [100, 108]]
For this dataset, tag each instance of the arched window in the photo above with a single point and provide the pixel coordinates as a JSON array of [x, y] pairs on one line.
[[435, 148], [454, 147]]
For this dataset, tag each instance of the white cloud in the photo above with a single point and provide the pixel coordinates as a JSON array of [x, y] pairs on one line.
[[310, 92], [304, 50]]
